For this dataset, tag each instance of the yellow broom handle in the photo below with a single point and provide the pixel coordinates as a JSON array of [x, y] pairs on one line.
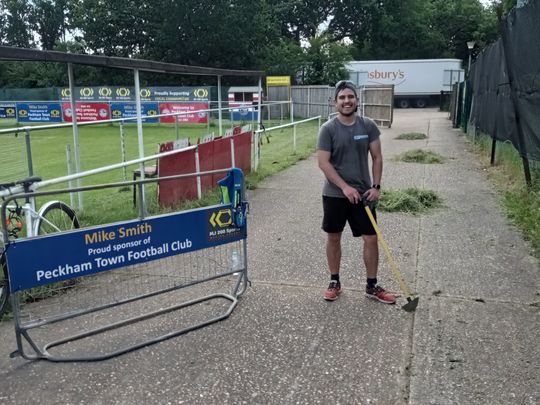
[[393, 265]]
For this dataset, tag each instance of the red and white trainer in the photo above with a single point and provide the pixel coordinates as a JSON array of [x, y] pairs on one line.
[[333, 291], [379, 294]]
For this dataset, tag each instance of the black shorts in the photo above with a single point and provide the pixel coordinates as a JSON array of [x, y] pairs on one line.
[[338, 211]]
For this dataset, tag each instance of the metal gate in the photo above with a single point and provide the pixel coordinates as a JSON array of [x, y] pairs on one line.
[[122, 286]]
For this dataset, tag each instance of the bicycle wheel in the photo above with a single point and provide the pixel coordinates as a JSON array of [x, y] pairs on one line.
[[55, 216], [4, 286]]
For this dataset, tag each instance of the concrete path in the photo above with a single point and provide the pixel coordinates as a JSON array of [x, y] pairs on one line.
[[474, 338]]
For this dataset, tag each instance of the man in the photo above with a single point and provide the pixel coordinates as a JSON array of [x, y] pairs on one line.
[[342, 151]]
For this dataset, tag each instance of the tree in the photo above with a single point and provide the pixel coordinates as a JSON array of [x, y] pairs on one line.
[[3, 25], [325, 60], [458, 21], [111, 27], [17, 26], [49, 20], [284, 57], [302, 19]]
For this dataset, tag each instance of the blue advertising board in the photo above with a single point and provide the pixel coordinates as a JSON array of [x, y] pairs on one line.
[[39, 112], [129, 110], [48, 259], [245, 113], [8, 111]]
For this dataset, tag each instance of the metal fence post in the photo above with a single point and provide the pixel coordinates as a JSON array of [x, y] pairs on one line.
[[142, 200], [220, 113], [208, 116], [123, 148], [28, 152], [294, 138], [198, 170], [256, 150], [232, 152], [308, 102], [76, 148], [70, 172]]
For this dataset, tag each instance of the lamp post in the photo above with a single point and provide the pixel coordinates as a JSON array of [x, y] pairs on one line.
[[470, 45]]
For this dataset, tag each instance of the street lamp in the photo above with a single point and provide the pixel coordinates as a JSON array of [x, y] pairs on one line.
[[470, 45]]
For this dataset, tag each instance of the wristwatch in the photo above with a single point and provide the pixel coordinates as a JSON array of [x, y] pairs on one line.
[[376, 186]]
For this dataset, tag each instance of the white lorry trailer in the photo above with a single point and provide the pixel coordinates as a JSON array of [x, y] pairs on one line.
[[417, 83]]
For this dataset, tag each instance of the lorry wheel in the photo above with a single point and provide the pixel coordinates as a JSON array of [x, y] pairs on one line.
[[403, 103], [420, 103]]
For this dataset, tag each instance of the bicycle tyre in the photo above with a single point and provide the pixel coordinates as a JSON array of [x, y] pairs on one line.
[[55, 216], [4, 286]]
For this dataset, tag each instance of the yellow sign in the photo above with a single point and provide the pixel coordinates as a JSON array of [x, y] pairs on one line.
[[278, 80], [201, 93], [122, 92], [105, 91], [222, 219], [86, 92]]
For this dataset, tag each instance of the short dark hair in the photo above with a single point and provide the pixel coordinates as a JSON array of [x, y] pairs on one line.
[[344, 84]]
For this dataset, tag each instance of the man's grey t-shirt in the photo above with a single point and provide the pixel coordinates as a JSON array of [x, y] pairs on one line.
[[349, 148]]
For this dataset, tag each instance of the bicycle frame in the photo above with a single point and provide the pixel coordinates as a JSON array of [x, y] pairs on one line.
[[30, 216]]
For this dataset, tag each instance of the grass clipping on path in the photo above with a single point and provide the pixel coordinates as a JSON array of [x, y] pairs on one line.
[[420, 156], [412, 136], [410, 200]]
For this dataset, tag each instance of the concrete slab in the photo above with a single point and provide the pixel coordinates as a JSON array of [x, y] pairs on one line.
[[468, 352]]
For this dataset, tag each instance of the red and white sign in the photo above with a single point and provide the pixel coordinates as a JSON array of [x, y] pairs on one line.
[[192, 118], [87, 112]]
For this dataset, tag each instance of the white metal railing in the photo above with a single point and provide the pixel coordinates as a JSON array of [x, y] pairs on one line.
[[41, 184], [124, 119]]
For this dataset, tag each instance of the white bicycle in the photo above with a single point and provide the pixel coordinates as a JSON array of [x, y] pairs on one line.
[[24, 220]]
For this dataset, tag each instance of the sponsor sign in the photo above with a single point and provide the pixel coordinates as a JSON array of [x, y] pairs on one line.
[[129, 110], [39, 112], [87, 112], [243, 112], [93, 250], [179, 93], [125, 93], [278, 80], [193, 118], [8, 111], [99, 93]]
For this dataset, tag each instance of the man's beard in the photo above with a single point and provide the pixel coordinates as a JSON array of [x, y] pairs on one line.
[[349, 113]]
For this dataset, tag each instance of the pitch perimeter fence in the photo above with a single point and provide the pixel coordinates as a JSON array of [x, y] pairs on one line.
[[21, 144], [503, 89]]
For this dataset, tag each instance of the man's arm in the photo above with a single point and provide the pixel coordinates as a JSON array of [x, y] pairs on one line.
[[332, 175], [375, 151]]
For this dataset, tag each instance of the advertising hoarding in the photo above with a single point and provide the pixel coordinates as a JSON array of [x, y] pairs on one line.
[[192, 118], [87, 112], [129, 110], [39, 112]]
